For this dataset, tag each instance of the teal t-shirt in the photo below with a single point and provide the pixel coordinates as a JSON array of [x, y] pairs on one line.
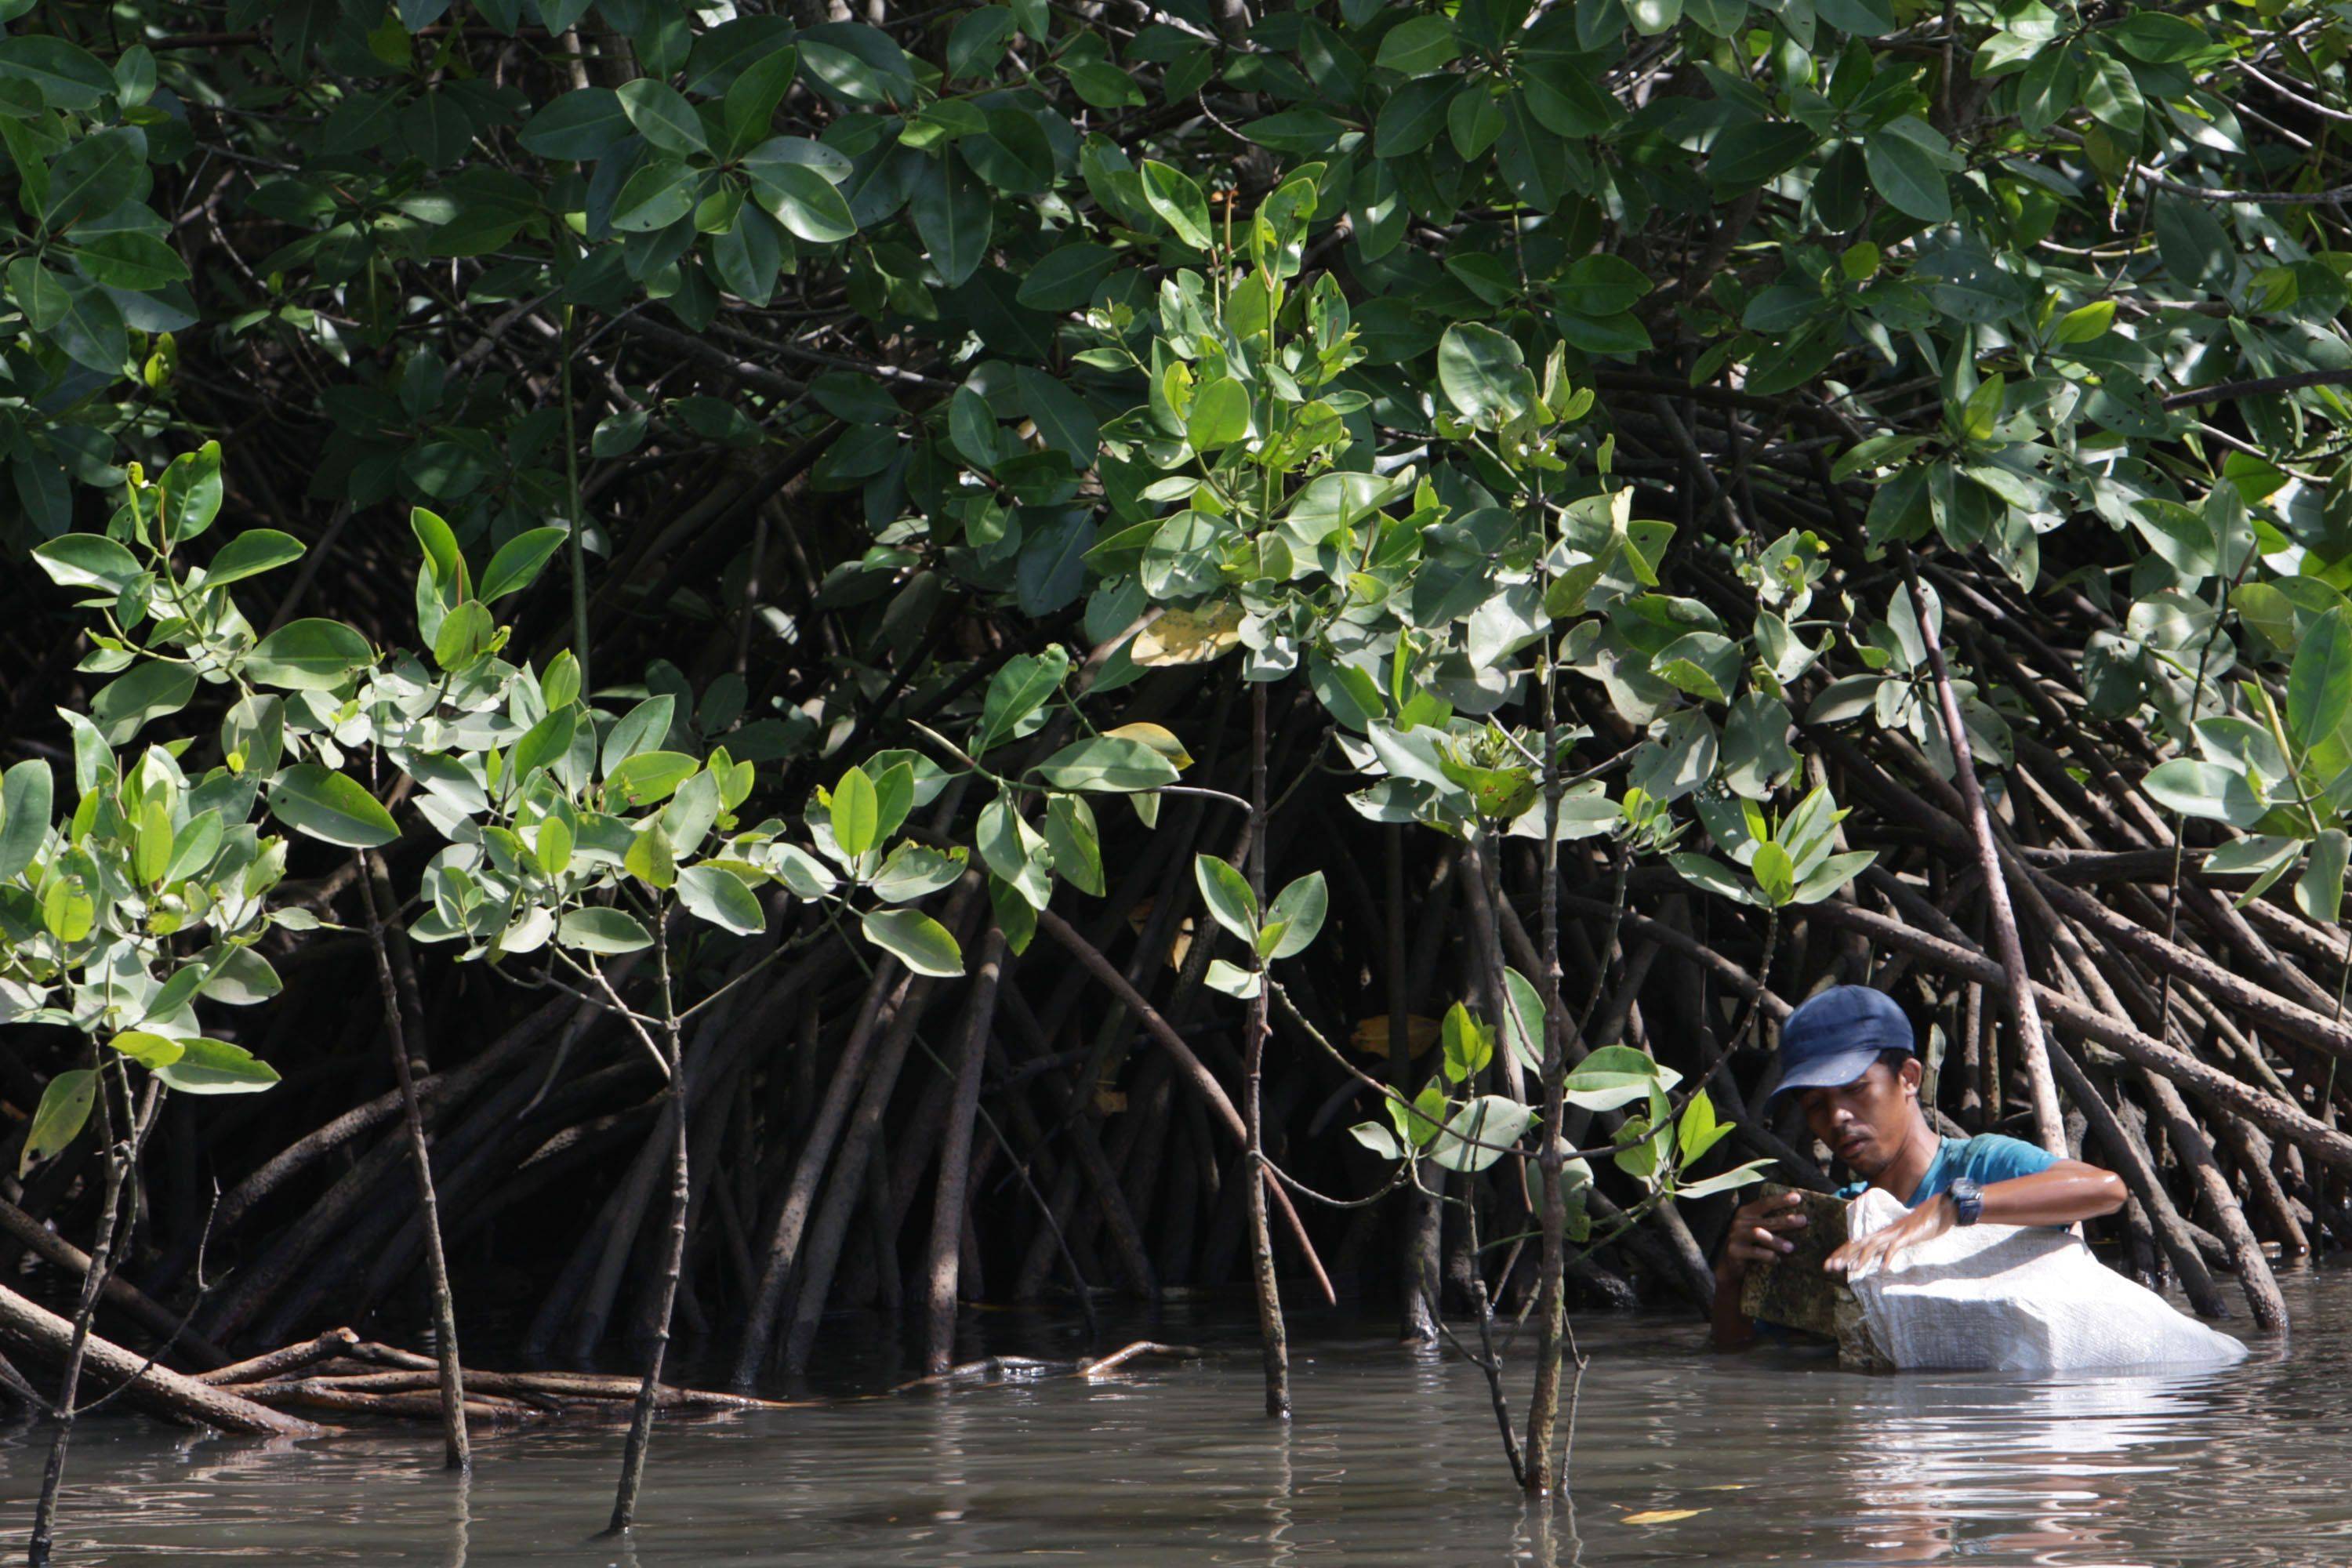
[[1985, 1159]]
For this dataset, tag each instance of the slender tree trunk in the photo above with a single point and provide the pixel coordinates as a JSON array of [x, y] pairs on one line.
[[681, 1192], [101, 1258], [2049, 1121], [1417, 1239], [1551, 1313], [955, 1160], [1273, 1335], [375, 893]]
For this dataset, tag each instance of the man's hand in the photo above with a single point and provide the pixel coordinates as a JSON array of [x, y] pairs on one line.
[[1757, 1235], [1929, 1221]]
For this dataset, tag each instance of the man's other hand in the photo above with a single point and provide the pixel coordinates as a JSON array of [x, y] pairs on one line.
[[1929, 1221]]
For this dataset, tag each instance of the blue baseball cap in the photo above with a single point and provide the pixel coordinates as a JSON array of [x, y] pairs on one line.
[[1832, 1038]]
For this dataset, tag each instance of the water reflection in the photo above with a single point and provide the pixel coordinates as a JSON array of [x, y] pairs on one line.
[[1393, 1458]]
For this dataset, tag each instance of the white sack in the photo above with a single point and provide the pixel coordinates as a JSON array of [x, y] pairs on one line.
[[2006, 1297]]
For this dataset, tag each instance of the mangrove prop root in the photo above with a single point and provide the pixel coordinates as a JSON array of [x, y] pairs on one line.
[[46, 1337]]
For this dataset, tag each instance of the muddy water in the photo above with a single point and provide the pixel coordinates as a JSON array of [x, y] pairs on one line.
[[1393, 1458]]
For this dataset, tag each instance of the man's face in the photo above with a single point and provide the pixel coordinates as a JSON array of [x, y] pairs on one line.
[[1863, 1122]]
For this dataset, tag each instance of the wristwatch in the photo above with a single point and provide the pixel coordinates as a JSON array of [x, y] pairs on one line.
[[1968, 1201]]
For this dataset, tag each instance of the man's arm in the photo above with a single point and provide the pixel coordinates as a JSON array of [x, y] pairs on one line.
[[1755, 1237], [2066, 1192]]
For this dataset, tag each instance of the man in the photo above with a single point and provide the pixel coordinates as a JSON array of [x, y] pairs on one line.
[[1848, 1052]]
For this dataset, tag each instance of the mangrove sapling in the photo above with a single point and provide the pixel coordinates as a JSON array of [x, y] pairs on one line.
[[102, 914]]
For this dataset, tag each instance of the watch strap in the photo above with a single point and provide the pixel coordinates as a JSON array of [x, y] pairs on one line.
[[1968, 1201]]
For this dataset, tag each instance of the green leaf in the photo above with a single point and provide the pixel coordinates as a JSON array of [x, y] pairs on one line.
[[150, 691], [1738, 1176], [313, 800], [647, 778], [649, 859], [978, 41], [662, 116], [1615, 1075], [916, 940], [2085, 323], [1832, 874], [578, 126], [129, 260], [94, 176], [810, 206], [1418, 45], [520, 560], [544, 744], [1233, 980], [310, 654], [2319, 683], [2193, 245], [67, 76], [149, 1050], [88, 561], [719, 896], [1482, 372], [1476, 1135], [1468, 1045], [2319, 891], [1180, 203], [603, 930], [26, 804], [215, 1067], [643, 727], [1018, 691], [1378, 1139], [1908, 160], [856, 814], [2205, 789], [659, 194], [1299, 909], [1065, 278], [1698, 1130], [914, 871], [1523, 1021], [1015, 851], [1076, 842], [2159, 38], [1227, 893], [1862, 18], [59, 1119], [151, 848], [1113, 764], [1759, 153], [249, 555], [1220, 415], [1330, 502], [464, 636], [750, 109], [553, 843], [241, 978], [1414, 114]]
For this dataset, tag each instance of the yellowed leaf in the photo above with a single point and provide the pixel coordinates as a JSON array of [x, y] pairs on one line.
[[1371, 1035], [1661, 1516], [1189, 636], [1160, 739], [1110, 1102], [1138, 915]]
